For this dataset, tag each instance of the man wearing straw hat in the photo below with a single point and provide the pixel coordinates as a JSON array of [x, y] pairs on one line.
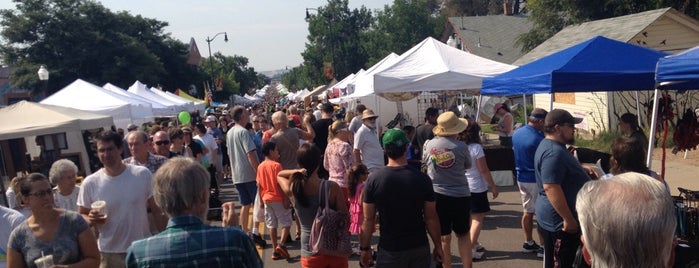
[[367, 148], [447, 159]]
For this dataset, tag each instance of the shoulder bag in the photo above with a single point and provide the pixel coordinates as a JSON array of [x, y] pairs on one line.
[[330, 230]]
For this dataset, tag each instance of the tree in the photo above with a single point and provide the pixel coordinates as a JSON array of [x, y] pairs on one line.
[[401, 26], [83, 39], [334, 37], [457, 8]]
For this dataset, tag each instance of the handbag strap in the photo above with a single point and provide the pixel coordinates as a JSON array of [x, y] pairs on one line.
[[323, 186]]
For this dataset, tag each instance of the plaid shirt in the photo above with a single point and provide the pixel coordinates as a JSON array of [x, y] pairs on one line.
[[153, 163], [188, 242]]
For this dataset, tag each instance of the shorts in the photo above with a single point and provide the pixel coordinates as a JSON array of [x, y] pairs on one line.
[[246, 192], [529, 191], [479, 202], [417, 257], [276, 214], [454, 214]]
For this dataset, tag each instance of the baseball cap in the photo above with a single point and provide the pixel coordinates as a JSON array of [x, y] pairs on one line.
[[560, 117], [210, 118], [395, 137], [131, 127]]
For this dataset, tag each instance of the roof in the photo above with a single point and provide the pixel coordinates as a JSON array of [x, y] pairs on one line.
[[495, 34], [623, 28]]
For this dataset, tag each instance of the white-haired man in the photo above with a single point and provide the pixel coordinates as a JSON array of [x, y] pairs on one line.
[[626, 221], [181, 188]]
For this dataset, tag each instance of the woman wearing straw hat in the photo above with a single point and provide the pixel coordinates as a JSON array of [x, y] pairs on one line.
[[447, 159]]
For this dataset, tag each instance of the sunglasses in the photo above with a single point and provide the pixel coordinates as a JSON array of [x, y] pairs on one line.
[[41, 194], [161, 143]]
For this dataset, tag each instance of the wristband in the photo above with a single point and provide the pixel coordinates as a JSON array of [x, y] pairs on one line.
[[367, 248]]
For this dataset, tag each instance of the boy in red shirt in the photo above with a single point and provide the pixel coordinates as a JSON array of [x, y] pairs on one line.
[[277, 206]]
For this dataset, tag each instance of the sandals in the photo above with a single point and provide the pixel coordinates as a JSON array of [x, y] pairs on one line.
[[282, 251]]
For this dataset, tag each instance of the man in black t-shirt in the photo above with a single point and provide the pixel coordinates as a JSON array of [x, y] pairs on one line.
[[424, 132], [320, 127], [405, 201]]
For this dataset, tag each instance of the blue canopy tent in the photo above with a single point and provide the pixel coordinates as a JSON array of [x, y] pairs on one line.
[[598, 64], [679, 71]]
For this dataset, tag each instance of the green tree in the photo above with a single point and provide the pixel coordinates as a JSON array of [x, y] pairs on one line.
[[83, 39], [334, 37], [237, 76], [402, 25]]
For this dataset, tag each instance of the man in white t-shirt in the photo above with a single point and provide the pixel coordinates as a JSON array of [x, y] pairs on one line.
[[211, 157], [367, 148], [127, 190], [356, 122]]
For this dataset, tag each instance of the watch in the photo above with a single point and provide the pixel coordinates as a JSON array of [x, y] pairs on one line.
[[367, 248]]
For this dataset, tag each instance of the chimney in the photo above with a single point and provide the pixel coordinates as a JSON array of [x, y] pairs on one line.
[[507, 7]]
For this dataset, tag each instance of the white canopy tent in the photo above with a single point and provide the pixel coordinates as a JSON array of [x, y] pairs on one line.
[[88, 97], [198, 105], [34, 119], [29, 119], [434, 66], [158, 108], [363, 82], [189, 105], [140, 89]]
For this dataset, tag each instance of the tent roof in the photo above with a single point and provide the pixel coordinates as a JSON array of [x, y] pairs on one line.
[[434, 66], [32, 119], [76, 94], [142, 90], [598, 64], [622, 28], [681, 70]]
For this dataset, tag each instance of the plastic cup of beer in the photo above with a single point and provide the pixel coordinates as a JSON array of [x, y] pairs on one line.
[[100, 206], [44, 262]]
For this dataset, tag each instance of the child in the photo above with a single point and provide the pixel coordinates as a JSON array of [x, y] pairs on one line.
[[277, 208], [355, 182]]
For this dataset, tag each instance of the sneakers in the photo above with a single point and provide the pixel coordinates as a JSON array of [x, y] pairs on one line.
[[281, 250], [477, 256], [478, 247], [530, 247], [258, 240], [540, 252]]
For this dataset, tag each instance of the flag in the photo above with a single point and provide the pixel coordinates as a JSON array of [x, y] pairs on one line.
[[209, 97], [193, 56]]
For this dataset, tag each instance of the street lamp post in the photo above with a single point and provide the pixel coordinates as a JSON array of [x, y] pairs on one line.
[[44, 78], [208, 42]]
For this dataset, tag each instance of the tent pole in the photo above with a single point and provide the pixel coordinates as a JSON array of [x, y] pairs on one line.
[[524, 115], [551, 102], [478, 108], [653, 126], [638, 109]]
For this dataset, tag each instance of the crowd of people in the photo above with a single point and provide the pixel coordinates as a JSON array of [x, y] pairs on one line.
[[160, 182]]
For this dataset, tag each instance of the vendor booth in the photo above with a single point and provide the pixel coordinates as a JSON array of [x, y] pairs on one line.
[[33, 135]]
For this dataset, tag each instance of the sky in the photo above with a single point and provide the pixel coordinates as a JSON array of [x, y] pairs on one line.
[[270, 33]]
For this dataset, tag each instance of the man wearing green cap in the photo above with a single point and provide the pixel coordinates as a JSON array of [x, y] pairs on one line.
[[405, 201]]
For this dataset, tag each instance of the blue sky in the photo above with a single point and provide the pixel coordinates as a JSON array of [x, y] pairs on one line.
[[270, 33]]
